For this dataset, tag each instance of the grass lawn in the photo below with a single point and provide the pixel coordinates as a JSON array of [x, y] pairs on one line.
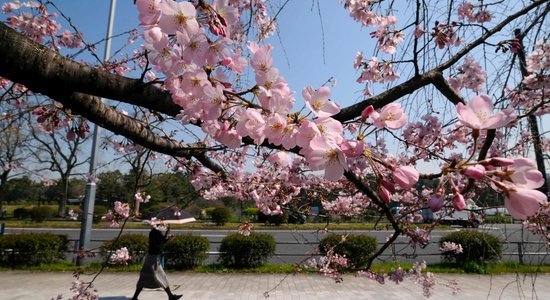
[[204, 225], [491, 268]]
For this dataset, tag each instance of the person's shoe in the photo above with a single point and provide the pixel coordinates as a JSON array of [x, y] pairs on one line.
[[175, 297]]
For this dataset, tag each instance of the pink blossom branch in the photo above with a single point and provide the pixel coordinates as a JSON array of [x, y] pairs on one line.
[[374, 198]]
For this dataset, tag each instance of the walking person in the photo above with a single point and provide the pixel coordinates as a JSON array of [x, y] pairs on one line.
[[152, 274]]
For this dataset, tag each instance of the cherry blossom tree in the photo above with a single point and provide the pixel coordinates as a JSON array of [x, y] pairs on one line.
[[450, 82]]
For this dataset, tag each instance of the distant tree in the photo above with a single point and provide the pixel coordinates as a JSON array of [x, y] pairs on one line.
[[23, 189], [111, 186], [58, 151], [172, 187]]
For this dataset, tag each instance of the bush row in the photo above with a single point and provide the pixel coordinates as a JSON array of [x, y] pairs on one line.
[[32, 248], [37, 213], [238, 251]]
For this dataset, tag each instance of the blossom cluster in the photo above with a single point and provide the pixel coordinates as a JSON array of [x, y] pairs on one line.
[[532, 95], [329, 265], [83, 291], [245, 228], [373, 71], [120, 256], [450, 247], [416, 274], [142, 197], [473, 13], [32, 19], [470, 76], [121, 212]]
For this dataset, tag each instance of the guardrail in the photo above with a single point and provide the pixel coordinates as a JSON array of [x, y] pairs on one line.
[[519, 250], [511, 249]]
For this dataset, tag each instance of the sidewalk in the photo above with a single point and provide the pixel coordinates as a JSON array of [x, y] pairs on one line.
[[120, 286]]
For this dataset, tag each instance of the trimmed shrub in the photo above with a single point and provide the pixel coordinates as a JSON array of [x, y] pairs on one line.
[[22, 213], [136, 244], [40, 213], [186, 251], [476, 246], [241, 251], [357, 248], [251, 211], [32, 248], [498, 218], [221, 215]]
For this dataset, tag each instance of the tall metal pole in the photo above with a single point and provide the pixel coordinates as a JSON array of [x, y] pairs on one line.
[[89, 199]]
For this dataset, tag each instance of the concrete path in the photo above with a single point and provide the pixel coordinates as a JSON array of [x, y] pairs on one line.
[[120, 286]]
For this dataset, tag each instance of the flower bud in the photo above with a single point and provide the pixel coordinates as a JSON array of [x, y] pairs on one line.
[[366, 113], [436, 202], [475, 172], [458, 201]]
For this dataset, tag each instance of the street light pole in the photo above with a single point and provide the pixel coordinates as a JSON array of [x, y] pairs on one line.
[[89, 199]]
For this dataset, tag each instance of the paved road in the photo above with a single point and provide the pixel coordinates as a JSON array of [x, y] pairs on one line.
[[18, 285], [296, 246]]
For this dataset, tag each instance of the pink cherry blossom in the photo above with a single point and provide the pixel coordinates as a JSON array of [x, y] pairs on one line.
[[391, 116], [358, 61], [149, 11], [318, 101], [405, 176], [523, 174], [478, 114], [120, 256], [353, 148], [280, 158], [262, 60], [330, 129], [419, 31], [325, 155], [251, 122], [275, 129], [523, 203], [178, 17]]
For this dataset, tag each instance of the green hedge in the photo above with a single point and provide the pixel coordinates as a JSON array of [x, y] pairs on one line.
[[32, 248], [136, 244], [357, 248], [477, 246], [41, 213], [221, 215], [22, 213], [186, 251], [246, 251]]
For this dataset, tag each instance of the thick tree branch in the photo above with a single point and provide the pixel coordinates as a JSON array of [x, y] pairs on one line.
[[444, 88], [385, 208], [45, 71], [108, 118], [532, 119], [417, 82]]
